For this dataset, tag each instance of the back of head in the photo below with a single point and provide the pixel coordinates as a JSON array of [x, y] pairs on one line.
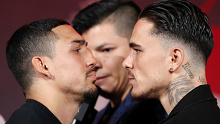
[[181, 22], [123, 15], [33, 39]]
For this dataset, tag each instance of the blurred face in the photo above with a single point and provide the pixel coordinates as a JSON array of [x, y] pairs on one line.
[[146, 63], [73, 65], [110, 50]]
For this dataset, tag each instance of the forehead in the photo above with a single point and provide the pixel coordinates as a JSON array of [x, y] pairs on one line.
[[143, 27], [142, 30], [102, 27], [103, 33], [100, 32], [66, 32], [142, 34]]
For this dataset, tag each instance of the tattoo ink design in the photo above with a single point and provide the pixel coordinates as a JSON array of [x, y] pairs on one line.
[[187, 69], [178, 88], [201, 79]]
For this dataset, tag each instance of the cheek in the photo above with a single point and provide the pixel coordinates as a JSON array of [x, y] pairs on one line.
[[151, 70], [143, 67], [70, 66], [114, 64]]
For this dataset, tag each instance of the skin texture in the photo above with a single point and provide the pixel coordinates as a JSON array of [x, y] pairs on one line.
[[79, 59], [110, 50], [64, 82], [146, 63], [150, 63]]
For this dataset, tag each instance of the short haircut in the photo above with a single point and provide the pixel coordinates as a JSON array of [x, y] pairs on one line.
[[183, 22], [33, 39], [123, 15]]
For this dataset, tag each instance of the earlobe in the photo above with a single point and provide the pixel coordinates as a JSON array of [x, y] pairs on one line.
[[40, 66], [176, 58]]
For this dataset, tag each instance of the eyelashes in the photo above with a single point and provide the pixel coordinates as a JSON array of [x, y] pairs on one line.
[[77, 50], [136, 50], [107, 50]]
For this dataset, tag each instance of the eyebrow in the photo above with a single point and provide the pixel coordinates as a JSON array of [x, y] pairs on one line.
[[102, 45], [132, 45], [81, 42]]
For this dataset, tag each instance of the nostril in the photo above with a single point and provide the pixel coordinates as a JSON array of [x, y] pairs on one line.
[[92, 65], [96, 68]]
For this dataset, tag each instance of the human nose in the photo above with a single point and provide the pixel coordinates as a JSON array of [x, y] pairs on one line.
[[98, 64], [91, 61], [127, 63], [98, 59]]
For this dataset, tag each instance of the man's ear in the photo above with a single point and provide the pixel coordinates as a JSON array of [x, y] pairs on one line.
[[176, 58], [40, 66]]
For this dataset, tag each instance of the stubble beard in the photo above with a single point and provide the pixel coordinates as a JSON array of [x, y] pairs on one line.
[[83, 94], [141, 95], [89, 93]]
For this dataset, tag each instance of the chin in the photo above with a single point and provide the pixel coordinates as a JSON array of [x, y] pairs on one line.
[[137, 97], [90, 94], [140, 95]]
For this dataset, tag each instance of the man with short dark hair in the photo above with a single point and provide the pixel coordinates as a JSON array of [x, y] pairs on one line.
[[170, 45], [107, 27], [55, 69]]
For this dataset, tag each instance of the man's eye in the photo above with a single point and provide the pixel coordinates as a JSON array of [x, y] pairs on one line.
[[77, 50], [107, 50], [136, 50]]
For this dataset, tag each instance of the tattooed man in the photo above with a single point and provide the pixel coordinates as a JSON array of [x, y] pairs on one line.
[[170, 45]]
